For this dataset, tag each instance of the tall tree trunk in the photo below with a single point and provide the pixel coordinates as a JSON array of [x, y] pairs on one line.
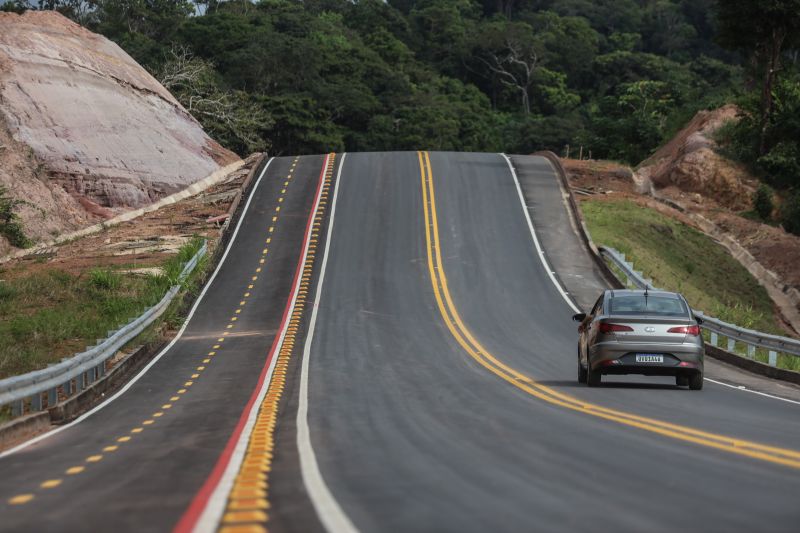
[[774, 49]]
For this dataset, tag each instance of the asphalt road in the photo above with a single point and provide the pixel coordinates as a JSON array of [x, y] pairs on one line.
[[411, 433], [425, 380], [149, 480]]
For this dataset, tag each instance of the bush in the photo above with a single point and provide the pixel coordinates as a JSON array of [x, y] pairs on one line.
[[790, 213], [6, 292], [9, 221], [762, 202], [781, 164], [104, 279]]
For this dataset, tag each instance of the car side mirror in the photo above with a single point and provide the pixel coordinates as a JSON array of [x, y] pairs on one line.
[[699, 320], [579, 317]]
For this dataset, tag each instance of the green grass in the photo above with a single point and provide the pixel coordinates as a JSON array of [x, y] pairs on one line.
[[680, 258], [53, 314]]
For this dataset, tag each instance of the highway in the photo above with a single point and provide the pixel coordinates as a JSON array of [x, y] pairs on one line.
[[405, 361]]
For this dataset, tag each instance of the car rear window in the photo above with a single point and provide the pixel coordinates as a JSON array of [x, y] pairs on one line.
[[638, 304]]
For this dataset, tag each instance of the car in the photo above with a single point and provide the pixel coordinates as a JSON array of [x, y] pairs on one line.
[[647, 332]]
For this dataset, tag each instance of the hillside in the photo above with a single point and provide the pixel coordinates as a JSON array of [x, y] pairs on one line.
[[86, 131], [689, 180]]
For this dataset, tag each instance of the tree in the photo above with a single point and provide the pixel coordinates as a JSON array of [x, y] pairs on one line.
[[780, 163], [444, 29], [510, 56], [762, 29], [567, 44], [762, 202], [229, 116], [666, 30]]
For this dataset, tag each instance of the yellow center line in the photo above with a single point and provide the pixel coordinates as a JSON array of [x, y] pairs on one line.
[[20, 499], [465, 338], [248, 499]]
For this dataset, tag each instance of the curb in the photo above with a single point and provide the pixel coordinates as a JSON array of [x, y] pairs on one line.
[[753, 366], [577, 217], [193, 189], [23, 428]]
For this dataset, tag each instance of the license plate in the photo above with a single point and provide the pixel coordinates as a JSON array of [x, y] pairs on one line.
[[649, 358]]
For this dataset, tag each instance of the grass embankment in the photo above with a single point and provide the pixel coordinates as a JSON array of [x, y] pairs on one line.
[[53, 314], [680, 258]]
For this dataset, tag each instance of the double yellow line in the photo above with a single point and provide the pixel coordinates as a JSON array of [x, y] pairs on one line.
[[481, 355]]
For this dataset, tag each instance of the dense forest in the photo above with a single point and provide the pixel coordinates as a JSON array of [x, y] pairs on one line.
[[610, 78], [615, 76]]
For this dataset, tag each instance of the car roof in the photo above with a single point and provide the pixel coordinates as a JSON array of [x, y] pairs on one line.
[[640, 292]]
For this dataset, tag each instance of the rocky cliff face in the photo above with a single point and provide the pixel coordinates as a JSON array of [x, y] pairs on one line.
[[97, 124]]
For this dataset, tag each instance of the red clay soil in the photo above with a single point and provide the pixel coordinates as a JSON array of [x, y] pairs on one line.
[[144, 242], [773, 247]]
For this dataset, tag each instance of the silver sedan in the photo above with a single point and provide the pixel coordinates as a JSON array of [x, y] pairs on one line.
[[640, 332]]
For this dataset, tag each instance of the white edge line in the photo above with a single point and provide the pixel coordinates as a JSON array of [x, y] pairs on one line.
[[211, 516], [536, 239], [564, 294], [734, 387], [331, 515], [162, 352]]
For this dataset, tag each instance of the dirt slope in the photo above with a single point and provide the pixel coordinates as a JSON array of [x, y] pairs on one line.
[[689, 163], [87, 119], [689, 180]]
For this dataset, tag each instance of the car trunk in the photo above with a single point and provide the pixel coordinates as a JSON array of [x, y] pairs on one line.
[[649, 328]]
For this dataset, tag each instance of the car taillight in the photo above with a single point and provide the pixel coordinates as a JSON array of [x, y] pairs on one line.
[[610, 328], [689, 330]]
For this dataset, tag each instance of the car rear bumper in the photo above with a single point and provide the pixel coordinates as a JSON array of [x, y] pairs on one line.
[[620, 358]]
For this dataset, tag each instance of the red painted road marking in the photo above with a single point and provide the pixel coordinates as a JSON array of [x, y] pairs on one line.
[[189, 519]]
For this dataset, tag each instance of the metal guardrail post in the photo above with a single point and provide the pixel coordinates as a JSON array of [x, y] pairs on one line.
[[52, 397], [773, 358], [36, 402]]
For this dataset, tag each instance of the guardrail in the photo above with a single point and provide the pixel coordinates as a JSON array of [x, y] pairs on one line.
[[774, 344], [86, 367]]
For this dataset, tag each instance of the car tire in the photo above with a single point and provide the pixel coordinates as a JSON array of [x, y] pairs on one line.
[[696, 381], [682, 380], [582, 373], [593, 377]]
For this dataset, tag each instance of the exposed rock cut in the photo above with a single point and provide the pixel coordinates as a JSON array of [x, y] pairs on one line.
[[48, 210], [690, 163], [103, 128]]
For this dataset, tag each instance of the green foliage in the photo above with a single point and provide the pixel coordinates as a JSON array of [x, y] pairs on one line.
[[47, 315], [618, 76], [683, 259], [762, 202], [753, 25], [7, 292], [104, 279], [771, 150], [10, 226], [790, 213]]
